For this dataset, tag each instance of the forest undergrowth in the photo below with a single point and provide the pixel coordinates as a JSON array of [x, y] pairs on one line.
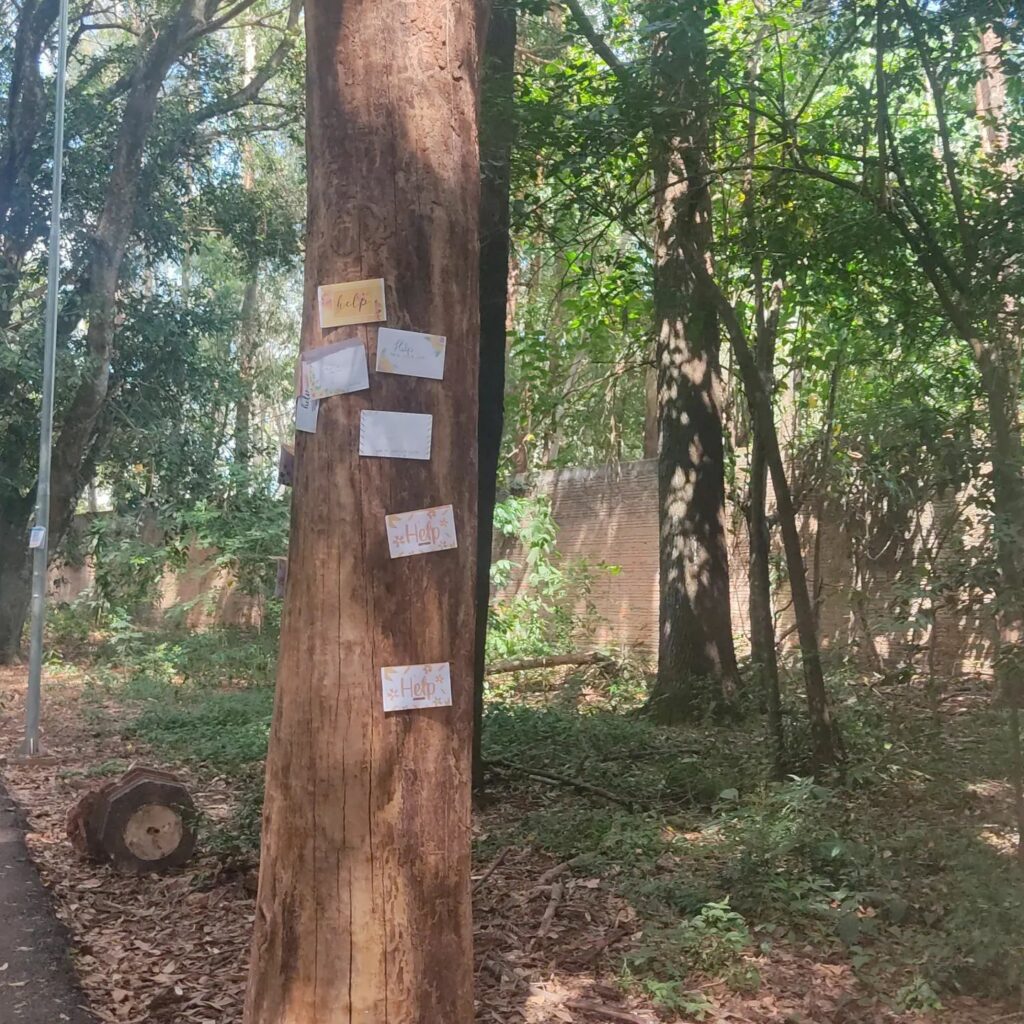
[[899, 869]]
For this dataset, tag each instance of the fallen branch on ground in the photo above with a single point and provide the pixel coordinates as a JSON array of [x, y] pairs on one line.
[[549, 911], [548, 661], [605, 1011], [564, 780], [494, 865], [558, 870]]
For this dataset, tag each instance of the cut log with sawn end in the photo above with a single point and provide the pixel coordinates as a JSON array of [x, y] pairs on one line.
[[142, 822]]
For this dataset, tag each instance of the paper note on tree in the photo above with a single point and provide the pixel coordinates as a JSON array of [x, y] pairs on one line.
[[395, 435], [407, 687], [335, 369], [306, 410], [426, 529], [410, 353], [355, 302]]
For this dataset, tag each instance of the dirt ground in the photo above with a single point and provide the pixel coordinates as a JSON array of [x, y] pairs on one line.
[[549, 940]]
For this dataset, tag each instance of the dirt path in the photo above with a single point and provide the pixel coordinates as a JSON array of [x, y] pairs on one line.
[[37, 983]]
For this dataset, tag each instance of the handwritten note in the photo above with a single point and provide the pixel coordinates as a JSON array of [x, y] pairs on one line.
[[395, 435], [335, 369], [407, 687], [306, 410], [356, 302], [410, 353], [426, 529]]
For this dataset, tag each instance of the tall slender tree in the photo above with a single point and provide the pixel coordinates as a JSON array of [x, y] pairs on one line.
[[496, 139]]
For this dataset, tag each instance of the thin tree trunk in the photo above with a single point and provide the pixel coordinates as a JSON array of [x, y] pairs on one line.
[[498, 128], [821, 488], [999, 363], [696, 655], [651, 407], [764, 655], [248, 326], [824, 748], [248, 345], [363, 912]]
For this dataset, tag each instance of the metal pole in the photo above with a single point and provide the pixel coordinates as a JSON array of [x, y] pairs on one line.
[[40, 535]]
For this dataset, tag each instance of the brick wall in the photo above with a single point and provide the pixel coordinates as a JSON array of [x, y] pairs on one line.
[[610, 514]]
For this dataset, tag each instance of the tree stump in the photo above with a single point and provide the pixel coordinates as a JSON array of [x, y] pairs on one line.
[[141, 822]]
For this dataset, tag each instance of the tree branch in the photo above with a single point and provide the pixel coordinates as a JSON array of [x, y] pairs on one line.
[[597, 41], [251, 90], [948, 159]]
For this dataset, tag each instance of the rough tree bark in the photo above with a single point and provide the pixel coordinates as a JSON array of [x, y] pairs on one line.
[[497, 137], [363, 912], [695, 620]]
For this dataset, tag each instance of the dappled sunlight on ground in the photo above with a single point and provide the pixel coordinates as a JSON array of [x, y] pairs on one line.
[[558, 938]]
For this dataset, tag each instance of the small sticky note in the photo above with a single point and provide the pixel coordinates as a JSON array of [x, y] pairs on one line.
[[395, 435], [306, 410], [426, 529], [335, 369], [37, 536], [410, 353], [407, 687], [356, 302]]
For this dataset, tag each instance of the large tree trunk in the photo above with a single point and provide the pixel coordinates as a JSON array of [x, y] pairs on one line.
[[363, 912], [498, 127], [696, 656]]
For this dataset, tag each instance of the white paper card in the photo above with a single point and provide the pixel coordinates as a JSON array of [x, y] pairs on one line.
[[410, 353], [36, 537], [407, 687], [335, 369], [306, 410], [426, 529], [395, 435]]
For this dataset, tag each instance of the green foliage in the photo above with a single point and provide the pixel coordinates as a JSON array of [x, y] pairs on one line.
[[709, 943], [173, 371], [542, 606], [244, 532], [223, 731], [127, 569]]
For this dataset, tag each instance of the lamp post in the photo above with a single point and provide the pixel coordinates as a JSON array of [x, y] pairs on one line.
[[40, 541]]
